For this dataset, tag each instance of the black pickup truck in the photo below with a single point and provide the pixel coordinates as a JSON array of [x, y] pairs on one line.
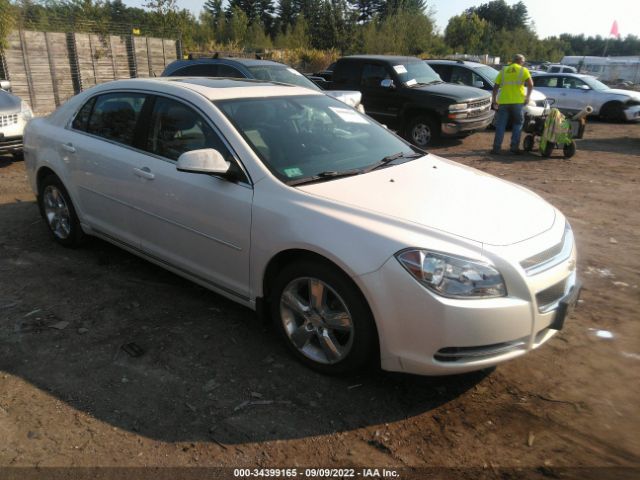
[[405, 94]]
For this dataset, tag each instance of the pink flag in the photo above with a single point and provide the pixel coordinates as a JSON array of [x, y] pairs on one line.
[[614, 29]]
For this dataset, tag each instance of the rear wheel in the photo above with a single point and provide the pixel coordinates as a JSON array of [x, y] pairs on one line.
[[569, 149], [57, 209], [527, 143], [323, 318], [422, 131]]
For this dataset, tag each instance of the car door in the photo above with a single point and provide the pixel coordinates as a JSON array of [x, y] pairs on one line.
[[100, 148], [197, 223], [577, 94], [382, 103], [551, 86]]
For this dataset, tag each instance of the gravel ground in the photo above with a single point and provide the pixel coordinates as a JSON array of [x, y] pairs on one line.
[[214, 387]]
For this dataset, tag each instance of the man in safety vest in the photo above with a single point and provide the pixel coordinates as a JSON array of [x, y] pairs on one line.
[[512, 99]]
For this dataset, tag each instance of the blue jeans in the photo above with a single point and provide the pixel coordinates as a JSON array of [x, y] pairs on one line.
[[516, 112]]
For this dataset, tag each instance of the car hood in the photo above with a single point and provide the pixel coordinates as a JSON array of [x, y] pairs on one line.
[[627, 93], [457, 92], [9, 102], [446, 196]]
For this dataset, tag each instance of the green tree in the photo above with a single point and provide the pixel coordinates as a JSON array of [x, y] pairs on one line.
[[467, 33], [7, 21]]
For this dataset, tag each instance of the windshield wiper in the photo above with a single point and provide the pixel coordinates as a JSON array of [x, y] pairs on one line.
[[324, 176], [390, 158]]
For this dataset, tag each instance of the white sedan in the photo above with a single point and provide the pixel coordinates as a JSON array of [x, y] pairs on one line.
[[571, 92], [361, 248]]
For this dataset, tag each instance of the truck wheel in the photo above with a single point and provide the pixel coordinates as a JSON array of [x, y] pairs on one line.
[[527, 143], [569, 149], [548, 148], [422, 131]]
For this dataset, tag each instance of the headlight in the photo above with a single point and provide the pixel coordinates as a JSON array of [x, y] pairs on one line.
[[532, 103], [457, 106], [451, 276], [25, 111]]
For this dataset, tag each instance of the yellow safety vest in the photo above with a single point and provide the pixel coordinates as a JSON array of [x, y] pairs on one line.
[[511, 80]]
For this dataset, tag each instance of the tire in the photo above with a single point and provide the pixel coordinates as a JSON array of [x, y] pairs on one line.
[[527, 143], [548, 149], [612, 112], [569, 150], [422, 131], [334, 334], [59, 214]]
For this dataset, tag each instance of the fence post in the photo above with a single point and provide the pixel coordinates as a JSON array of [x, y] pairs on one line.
[[131, 56], [179, 52], [149, 57], [52, 69], [74, 63], [27, 68], [113, 59], [93, 61]]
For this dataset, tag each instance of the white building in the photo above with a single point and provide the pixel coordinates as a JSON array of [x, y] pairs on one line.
[[607, 69]]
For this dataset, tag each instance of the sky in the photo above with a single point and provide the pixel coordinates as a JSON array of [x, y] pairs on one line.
[[590, 17]]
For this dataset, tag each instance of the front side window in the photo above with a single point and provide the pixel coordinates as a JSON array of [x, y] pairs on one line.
[[304, 136], [115, 116], [546, 81], [282, 74], [176, 128], [572, 82], [373, 74]]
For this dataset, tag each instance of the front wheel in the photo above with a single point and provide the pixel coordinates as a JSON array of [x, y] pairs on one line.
[[569, 149], [323, 318], [422, 131], [57, 210]]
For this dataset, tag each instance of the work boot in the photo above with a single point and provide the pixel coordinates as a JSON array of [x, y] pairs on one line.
[[515, 151]]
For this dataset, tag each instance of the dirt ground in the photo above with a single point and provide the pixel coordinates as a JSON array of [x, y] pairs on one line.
[[214, 386]]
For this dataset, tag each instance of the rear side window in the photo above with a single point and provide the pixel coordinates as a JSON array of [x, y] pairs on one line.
[[372, 75], [82, 118], [115, 116], [176, 128], [197, 70], [228, 71], [347, 73], [443, 70], [544, 81]]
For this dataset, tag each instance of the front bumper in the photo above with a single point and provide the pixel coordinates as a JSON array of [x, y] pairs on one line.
[[466, 126], [423, 333], [11, 130], [10, 144], [632, 113]]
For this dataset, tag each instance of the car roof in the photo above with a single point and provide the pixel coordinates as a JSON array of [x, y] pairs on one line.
[[385, 58], [246, 62], [213, 88], [560, 74], [446, 61]]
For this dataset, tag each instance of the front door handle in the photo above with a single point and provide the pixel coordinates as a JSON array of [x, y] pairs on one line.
[[144, 172], [69, 147]]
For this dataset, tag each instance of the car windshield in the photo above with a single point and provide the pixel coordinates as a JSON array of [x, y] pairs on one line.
[[487, 72], [415, 73], [283, 74], [302, 137], [595, 84]]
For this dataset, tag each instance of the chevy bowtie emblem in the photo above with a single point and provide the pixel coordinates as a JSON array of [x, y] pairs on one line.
[[572, 265]]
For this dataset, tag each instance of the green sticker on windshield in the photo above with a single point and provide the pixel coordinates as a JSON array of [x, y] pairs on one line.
[[292, 172]]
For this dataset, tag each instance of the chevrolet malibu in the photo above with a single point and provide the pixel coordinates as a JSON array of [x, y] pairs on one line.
[[360, 247]]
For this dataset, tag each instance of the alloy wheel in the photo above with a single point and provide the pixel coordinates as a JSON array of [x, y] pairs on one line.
[[56, 212], [316, 320]]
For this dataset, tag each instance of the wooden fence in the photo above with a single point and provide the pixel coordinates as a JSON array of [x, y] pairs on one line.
[[47, 68]]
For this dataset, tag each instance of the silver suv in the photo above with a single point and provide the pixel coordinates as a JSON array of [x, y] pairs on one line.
[[14, 115]]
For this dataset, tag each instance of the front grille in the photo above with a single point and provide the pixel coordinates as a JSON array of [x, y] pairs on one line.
[[540, 103], [550, 257], [547, 298], [479, 103], [6, 120]]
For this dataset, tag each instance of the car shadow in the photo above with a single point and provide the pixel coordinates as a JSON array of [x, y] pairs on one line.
[[610, 145], [6, 160], [201, 368]]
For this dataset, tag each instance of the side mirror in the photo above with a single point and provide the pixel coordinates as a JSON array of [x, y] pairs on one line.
[[5, 85], [478, 84], [206, 160], [387, 83], [584, 87]]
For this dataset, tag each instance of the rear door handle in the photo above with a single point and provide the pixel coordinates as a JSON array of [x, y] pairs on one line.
[[69, 147], [144, 172]]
